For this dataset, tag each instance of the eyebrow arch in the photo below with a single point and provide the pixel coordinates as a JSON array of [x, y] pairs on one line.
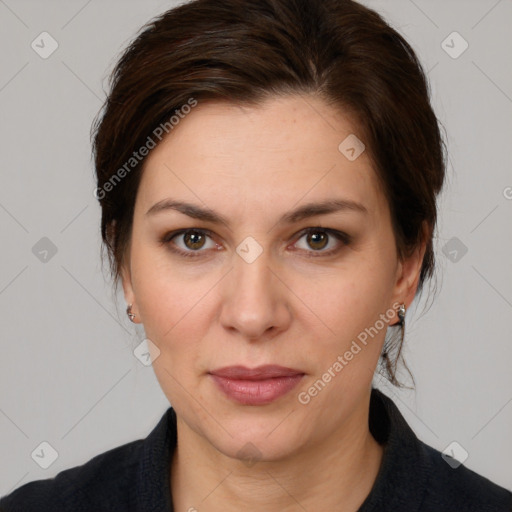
[[303, 212]]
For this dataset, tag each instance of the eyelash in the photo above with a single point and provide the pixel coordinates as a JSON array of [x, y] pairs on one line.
[[339, 235]]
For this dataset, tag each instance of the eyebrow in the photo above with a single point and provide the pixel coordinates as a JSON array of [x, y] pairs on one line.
[[303, 212]]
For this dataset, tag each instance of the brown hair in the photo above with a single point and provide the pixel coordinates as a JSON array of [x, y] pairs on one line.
[[245, 52]]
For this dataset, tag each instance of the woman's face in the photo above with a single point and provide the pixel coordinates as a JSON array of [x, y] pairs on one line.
[[257, 289]]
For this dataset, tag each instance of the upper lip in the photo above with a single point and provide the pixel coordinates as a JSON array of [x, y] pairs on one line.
[[268, 371]]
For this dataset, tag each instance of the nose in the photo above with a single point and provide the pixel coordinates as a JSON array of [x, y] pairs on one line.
[[255, 301]]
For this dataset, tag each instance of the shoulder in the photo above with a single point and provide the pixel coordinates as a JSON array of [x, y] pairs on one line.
[[416, 477], [105, 482], [456, 487]]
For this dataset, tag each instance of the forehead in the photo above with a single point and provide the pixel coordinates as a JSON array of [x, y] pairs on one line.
[[266, 158]]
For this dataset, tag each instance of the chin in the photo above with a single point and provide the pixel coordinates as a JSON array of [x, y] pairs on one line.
[[260, 442], [251, 451]]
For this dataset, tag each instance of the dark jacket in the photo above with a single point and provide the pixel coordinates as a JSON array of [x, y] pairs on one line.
[[413, 477]]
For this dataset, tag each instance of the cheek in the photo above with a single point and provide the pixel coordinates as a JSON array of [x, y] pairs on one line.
[[167, 297], [355, 311], [177, 301], [354, 297], [173, 311]]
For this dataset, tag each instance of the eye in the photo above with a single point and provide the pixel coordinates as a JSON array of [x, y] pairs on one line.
[[318, 238], [194, 240]]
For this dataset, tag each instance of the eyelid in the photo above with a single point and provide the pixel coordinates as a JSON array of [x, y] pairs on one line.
[[344, 238], [166, 240]]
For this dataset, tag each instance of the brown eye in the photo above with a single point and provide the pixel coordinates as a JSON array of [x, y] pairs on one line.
[[189, 242], [317, 239], [193, 239], [192, 243]]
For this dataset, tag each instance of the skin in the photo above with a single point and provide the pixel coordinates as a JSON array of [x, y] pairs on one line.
[[252, 165]]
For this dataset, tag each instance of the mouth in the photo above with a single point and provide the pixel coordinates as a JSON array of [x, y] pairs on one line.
[[256, 386]]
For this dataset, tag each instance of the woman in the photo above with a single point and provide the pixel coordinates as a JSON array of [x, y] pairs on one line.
[[268, 173]]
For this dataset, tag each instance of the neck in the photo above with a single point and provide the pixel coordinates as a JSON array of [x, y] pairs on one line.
[[337, 473]]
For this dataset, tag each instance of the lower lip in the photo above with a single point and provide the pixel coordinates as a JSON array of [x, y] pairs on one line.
[[256, 392]]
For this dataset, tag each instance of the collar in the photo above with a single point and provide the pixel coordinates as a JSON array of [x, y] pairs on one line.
[[405, 467], [404, 461]]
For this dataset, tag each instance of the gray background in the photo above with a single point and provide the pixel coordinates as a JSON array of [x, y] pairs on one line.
[[67, 372]]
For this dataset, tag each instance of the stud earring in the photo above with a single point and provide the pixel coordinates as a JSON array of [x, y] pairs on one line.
[[401, 314], [131, 315], [401, 323]]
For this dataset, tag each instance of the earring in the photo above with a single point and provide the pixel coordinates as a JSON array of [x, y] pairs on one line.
[[401, 314], [401, 320], [401, 323], [131, 315]]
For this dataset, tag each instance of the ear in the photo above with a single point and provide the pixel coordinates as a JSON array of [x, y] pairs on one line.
[[129, 294], [408, 273]]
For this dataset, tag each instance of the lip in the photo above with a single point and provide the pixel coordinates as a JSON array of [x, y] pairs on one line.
[[256, 386], [267, 371]]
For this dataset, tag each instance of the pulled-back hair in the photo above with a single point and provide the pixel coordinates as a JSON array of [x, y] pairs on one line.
[[245, 52]]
